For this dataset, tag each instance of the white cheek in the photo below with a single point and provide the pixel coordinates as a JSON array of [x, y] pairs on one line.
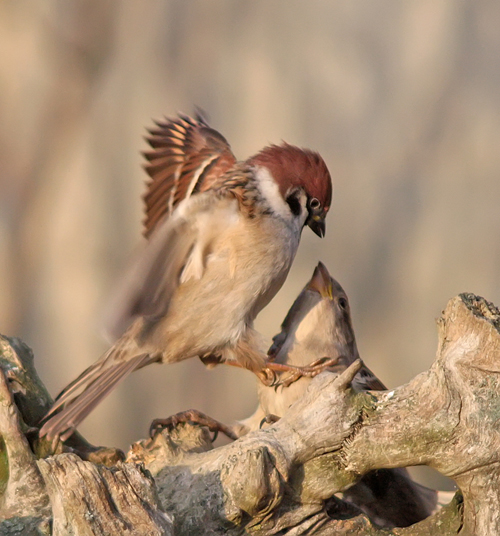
[[309, 324], [270, 191], [318, 326]]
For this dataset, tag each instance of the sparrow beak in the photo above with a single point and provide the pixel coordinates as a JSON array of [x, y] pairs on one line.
[[321, 282], [317, 223]]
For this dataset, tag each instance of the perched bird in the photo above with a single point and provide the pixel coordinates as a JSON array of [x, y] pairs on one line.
[[319, 324], [222, 236]]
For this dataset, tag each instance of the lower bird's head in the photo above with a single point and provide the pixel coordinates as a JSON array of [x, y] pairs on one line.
[[319, 319]]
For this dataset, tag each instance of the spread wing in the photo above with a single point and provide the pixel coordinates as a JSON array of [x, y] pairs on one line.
[[187, 157], [176, 252]]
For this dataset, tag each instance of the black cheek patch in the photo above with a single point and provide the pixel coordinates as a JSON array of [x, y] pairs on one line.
[[294, 204]]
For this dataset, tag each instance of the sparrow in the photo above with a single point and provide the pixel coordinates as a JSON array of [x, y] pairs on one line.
[[319, 324], [221, 238]]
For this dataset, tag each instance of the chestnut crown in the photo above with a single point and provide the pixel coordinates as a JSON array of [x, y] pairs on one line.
[[293, 167]]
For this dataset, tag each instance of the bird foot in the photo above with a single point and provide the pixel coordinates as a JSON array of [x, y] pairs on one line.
[[295, 373], [270, 418], [267, 376], [192, 416]]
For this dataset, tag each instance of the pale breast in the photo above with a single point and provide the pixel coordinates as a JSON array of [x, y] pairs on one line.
[[247, 266]]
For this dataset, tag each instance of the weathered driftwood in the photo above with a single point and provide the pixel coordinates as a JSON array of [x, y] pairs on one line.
[[280, 479]]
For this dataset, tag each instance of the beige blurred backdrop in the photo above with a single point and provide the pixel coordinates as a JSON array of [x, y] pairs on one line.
[[402, 99]]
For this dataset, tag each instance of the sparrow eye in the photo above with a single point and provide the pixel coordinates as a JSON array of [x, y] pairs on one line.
[[314, 203], [342, 303]]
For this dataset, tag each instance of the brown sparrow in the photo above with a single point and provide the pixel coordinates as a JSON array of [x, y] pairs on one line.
[[319, 324], [222, 236]]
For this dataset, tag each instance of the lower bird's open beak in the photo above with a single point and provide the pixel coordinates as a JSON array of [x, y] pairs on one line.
[[317, 224], [321, 282]]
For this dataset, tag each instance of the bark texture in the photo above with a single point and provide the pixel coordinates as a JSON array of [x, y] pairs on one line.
[[278, 480]]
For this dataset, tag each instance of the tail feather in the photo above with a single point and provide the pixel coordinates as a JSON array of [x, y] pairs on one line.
[[85, 393], [77, 409], [70, 392]]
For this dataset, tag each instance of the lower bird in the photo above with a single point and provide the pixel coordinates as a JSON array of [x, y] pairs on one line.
[[319, 324], [222, 236]]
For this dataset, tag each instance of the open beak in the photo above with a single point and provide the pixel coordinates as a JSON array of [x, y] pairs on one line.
[[321, 282], [317, 224]]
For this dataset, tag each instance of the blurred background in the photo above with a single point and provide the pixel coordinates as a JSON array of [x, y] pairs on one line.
[[402, 99]]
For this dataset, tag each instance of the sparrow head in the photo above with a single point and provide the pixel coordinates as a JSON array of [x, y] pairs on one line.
[[303, 180], [331, 292], [320, 318]]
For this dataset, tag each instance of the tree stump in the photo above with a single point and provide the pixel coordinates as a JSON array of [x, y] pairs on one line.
[[278, 480]]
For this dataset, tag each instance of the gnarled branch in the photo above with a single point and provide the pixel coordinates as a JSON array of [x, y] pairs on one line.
[[281, 479]]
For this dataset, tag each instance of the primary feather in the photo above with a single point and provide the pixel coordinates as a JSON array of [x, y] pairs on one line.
[[187, 157]]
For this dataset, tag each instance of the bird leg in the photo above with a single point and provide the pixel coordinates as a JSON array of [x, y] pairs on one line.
[[295, 372], [268, 374], [193, 416]]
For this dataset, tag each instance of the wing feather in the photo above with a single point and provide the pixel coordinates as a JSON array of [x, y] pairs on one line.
[[187, 157], [366, 380], [176, 252]]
